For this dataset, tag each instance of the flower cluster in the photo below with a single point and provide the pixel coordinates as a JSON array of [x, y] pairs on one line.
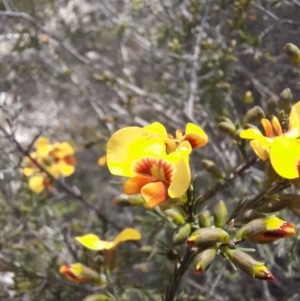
[[281, 146], [211, 240], [46, 161], [156, 163]]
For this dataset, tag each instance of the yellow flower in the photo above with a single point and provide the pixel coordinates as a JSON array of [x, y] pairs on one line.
[[193, 134], [93, 242], [261, 144], [141, 155]]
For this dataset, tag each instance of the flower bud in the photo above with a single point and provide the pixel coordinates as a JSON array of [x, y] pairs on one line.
[[227, 128], [203, 260], [204, 219], [271, 105], [248, 97], [226, 119], [249, 265], [293, 53], [124, 200], [211, 167], [181, 233], [175, 216], [266, 230], [79, 273], [220, 214], [254, 114], [284, 100], [205, 237]]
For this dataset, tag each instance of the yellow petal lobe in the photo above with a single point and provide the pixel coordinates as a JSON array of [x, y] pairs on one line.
[[93, 242], [36, 183], [127, 234], [285, 156]]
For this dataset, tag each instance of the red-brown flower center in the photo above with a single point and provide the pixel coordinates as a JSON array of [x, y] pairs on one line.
[[155, 168]]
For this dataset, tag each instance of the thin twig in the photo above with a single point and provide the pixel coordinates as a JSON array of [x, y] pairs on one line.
[[223, 182]]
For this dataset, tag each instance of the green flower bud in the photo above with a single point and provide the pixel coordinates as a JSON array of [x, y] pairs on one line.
[[203, 260], [226, 119], [211, 167], [175, 216], [249, 265], [181, 233], [271, 105], [220, 214], [266, 230], [204, 219], [124, 200], [227, 128], [248, 97], [293, 53], [206, 237], [254, 114], [284, 101]]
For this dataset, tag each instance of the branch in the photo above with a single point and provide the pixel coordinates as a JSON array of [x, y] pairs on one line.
[[224, 182], [194, 82]]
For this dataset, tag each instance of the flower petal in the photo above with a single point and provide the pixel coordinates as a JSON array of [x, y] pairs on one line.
[[155, 193], [259, 150], [127, 234], [158, 128], [255, 134], [182, 175], [285, 157], [294, 122], [276, 125], [29, 171], [41, 141], [36, 183], [135, 184], [267, 127], [195, 135], [65, 169], [93, 242], [128, 145]]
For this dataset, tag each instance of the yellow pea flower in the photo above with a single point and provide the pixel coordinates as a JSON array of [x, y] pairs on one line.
[[141, 155], [261, 144], [193, 134], [93, 242]]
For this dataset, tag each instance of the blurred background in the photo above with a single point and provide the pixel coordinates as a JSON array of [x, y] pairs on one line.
[[79, 70]]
